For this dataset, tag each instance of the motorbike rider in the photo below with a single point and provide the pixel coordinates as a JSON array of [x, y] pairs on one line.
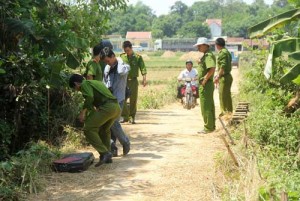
[[189, 72]]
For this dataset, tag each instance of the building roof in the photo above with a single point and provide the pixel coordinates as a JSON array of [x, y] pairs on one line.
[[259, 42], [212, 21], [138, 35], [238, 40], [243, 41]]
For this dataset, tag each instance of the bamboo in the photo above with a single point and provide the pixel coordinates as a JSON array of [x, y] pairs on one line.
[[229, 151], [226, 131]]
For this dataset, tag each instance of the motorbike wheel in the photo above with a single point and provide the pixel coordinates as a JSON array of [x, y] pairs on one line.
[[188, 101]]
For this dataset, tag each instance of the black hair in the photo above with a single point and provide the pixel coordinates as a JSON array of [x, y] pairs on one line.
[[75, 78], [127, 44], [106, 52], [221, 42], [97, 49], [102, 44]]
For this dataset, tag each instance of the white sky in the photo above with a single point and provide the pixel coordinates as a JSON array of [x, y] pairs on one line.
[[163, 6]]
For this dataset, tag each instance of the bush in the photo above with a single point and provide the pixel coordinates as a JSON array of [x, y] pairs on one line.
[[275, 136], [22, 173]]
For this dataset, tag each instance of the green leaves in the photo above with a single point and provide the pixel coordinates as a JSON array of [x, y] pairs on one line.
[[2, 71], [276, 22], [292, 75]]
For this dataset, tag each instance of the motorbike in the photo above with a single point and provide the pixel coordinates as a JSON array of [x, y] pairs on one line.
[[189, 93]]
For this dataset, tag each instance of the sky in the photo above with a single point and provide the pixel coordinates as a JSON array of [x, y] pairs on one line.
[[163, 6]]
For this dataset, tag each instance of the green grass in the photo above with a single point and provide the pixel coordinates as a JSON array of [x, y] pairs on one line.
[[169, 62]]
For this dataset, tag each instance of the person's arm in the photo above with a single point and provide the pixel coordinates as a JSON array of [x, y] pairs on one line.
[[91, 70], [221, 63], [219, 74], [210, 73], [180, 76], [210, 63], [144, 80], [88, 95], [123, 68], [196, 74], [143, 70]]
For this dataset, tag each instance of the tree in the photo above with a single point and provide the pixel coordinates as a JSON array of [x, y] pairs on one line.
[[286, 45], [137, 17], [194, 29], [179, 8], [40, 42]]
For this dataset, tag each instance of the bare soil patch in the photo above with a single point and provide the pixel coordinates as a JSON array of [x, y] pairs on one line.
[[168, 54], [193, 55]]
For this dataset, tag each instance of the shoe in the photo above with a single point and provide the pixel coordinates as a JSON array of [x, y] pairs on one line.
[[203, 131], [105, 158], [123, 121], [114, 149], [126, 148], [132, 121]]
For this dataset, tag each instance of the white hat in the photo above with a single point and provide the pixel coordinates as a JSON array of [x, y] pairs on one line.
[[201, 41]]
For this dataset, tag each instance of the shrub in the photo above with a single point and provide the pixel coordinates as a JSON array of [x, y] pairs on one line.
[[22, 173]]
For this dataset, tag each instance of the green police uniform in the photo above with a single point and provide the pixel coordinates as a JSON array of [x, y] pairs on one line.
[[137, 64], [102, 64], [206, 93], [93, 68], [98, 122], [225, 81]]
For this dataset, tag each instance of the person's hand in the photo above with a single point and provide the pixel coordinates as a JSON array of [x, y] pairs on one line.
[[82, 116], [144, 81], [216, 79], [203, 82]]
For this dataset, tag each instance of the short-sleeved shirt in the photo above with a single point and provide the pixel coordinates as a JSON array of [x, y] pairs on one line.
[[95, 94], [207, 61], [192, 74], [224, 60], [136, 64], [93, 68]]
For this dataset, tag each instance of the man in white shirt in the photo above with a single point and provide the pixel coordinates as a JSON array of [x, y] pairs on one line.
[[189, 72], [115, 79]]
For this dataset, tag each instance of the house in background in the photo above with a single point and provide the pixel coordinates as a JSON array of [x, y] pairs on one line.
[[215, 26], [140, 40]]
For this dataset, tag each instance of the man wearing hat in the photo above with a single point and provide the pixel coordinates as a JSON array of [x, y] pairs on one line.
[[223, 76], [206, 70]]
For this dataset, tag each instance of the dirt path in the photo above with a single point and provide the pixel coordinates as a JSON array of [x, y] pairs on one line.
[[168, 161]]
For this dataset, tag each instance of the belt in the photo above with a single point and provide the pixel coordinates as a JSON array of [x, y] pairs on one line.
[[134, 78]]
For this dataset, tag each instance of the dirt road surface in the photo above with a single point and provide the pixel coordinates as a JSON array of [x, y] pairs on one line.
[[168, 161]]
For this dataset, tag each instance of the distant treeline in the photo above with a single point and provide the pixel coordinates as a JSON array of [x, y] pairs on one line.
[[184, 21]]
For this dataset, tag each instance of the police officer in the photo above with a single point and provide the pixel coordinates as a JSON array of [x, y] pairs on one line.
[[206, 70], [99, 112], [137, 64], [95, 67], [223, 76]]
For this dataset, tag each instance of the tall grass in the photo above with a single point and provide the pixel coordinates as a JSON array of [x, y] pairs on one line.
[[269, 164], [158, 95]]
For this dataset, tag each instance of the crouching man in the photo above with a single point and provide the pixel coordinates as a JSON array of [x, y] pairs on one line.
[[100, 110]]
